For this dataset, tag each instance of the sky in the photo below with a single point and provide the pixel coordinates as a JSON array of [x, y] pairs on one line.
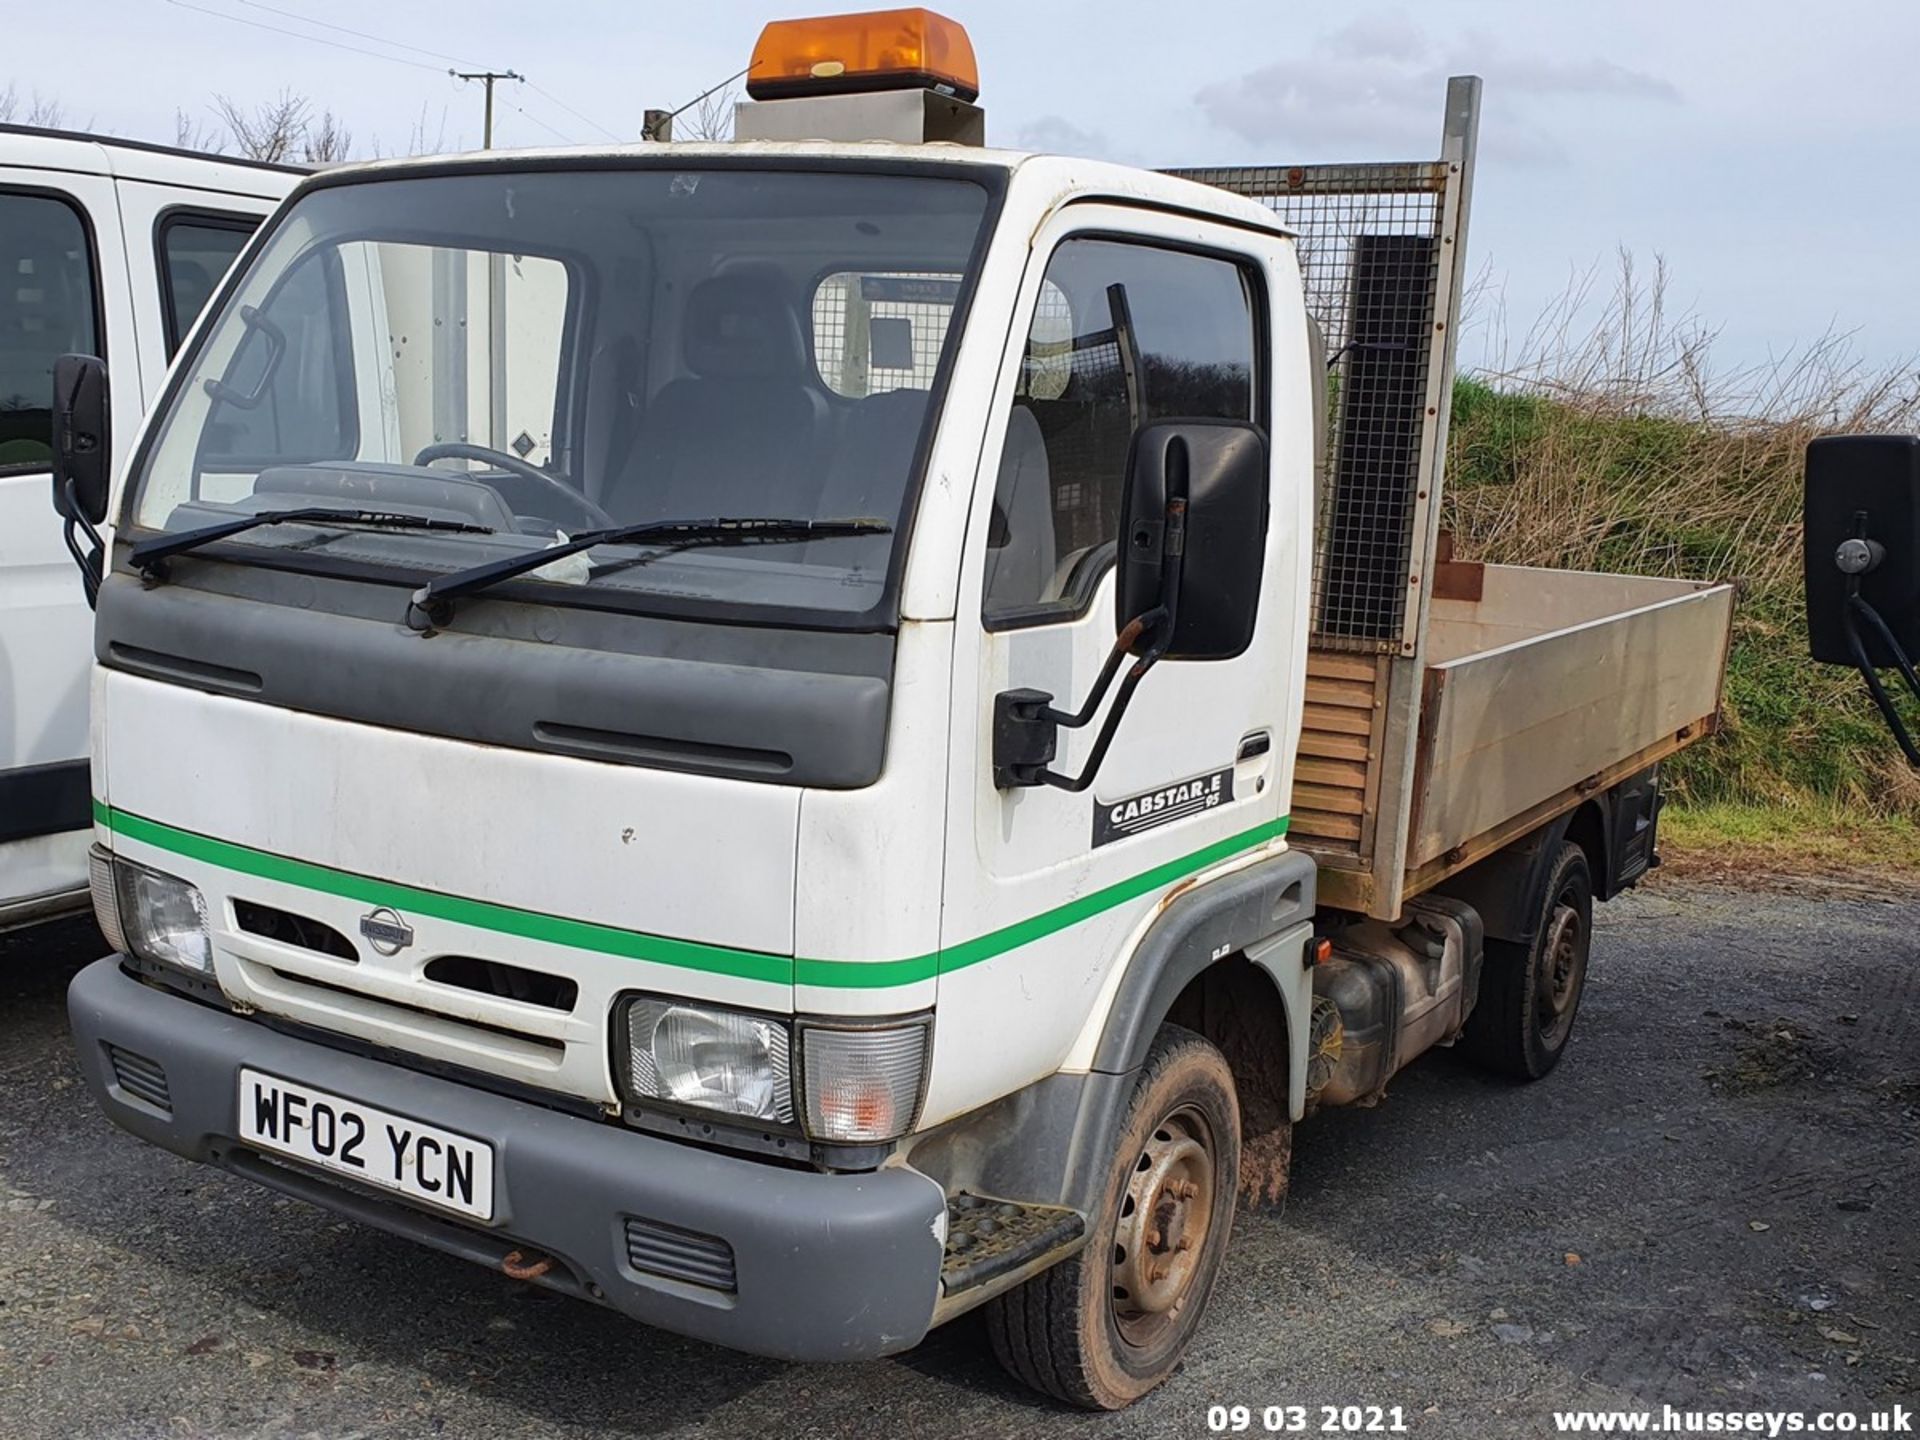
[[1753, 145]]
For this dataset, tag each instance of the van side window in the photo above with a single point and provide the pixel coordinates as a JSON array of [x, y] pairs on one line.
[[195, 251], [1123, 335], [47, 309]]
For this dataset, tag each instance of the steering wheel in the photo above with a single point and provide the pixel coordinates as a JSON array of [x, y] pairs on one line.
[[513, 464]]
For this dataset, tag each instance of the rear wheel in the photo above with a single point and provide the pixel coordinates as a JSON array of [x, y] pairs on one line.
[[1103, 1328], [1530, 994]]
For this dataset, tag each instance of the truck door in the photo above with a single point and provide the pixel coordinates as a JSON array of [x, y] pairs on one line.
[[62, 278], [1126, 318]]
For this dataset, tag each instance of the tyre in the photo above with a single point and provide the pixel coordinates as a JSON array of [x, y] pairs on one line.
[[1103, 1328], [1530, 994]]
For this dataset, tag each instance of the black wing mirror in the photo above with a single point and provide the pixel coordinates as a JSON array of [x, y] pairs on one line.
[[1862, 558], [82, 458], [1193, 541], [82, 438]]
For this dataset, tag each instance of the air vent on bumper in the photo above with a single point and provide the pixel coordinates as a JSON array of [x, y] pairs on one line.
[[675, 1254], [140, 1077]]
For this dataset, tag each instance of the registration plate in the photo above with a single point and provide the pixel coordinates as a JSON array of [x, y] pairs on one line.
[[422, 1162]]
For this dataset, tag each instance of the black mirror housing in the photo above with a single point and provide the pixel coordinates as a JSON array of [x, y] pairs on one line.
[[1219, 469], [1862, 493], [82, 439]]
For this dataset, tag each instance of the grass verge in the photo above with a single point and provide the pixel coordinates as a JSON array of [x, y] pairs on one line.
[[1758, 843]]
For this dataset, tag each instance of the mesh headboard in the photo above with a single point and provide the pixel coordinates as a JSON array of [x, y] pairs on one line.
[[1377, 246]]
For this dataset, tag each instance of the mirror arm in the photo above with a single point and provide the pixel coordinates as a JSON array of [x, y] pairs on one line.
[[1122, 646], [1073, 785], [89, 559], [1025, 724], [1856, 558]]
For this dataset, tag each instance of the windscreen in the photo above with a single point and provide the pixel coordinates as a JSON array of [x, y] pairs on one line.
[[537, 355]]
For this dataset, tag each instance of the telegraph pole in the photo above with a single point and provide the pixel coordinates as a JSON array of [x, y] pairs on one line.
[[486, 77]]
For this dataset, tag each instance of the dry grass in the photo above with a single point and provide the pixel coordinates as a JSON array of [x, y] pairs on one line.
[[1791, 845], [1620, 446]]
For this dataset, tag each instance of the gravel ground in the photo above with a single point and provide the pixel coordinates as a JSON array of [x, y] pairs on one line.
[[1709, 1205]]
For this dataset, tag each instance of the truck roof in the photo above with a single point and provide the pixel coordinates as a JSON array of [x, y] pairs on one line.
[[1069, 177], [33, 147]]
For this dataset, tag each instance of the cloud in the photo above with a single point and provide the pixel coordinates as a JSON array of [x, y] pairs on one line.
[[1372, 83]]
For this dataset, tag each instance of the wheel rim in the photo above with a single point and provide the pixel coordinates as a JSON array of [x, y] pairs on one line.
[[1165, 1221], [1563, 966]]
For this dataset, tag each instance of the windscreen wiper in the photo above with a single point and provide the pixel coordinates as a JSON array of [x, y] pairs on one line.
[[149, 556], [431, 602]]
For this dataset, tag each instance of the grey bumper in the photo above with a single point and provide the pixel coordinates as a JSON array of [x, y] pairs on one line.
[[825, 1267]]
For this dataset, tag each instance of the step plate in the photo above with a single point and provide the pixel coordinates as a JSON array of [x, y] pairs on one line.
[[987, 1238]]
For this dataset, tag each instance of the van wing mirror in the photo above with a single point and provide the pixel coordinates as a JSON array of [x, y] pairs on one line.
[[82, 460], [1193, 540], [82, 438], [1862, 561]]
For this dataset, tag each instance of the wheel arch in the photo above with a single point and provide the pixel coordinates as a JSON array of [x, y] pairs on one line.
[[1504, 888], [1242, 935]]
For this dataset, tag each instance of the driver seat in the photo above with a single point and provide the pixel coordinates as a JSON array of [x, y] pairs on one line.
[[744, 431]]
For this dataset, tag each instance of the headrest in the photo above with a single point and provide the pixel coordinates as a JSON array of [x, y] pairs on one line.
[[743, 326]]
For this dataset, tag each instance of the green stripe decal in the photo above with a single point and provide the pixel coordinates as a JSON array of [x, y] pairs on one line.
[[528, 924], [687, 954], [849, 973]]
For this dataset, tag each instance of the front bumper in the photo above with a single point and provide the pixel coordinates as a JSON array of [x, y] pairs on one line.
[[825, 1267]]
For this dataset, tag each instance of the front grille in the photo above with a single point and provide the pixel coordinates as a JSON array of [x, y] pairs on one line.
[[300, 931], [675, 1254], [508, 982], [308, 990], [140, 1077]]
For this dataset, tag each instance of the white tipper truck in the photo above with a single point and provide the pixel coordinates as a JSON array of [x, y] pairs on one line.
[[795, 737]]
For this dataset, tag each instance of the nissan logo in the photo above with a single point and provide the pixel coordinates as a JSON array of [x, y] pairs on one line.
[[386, 931]]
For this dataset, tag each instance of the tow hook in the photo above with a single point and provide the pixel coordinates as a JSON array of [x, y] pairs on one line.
[[520, 1265]]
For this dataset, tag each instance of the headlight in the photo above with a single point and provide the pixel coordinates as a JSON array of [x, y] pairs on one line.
[[863, 1086], [156, 916], [710, 1059]]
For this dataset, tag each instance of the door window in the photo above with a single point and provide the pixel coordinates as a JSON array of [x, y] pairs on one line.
[[195, 251], [47, 309], [1123, 335]]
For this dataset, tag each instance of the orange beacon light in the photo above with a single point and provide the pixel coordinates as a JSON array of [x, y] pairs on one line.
[[909, 49]]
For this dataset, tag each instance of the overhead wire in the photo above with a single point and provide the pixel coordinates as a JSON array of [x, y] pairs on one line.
[[380, 55], [583, 119], [360, 34], [298, 35]]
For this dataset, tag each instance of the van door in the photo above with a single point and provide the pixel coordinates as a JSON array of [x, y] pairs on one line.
[[62, 278], [1128, 318]]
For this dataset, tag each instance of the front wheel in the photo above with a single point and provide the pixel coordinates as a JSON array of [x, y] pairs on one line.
[[1103, 1328], [1530, 994]]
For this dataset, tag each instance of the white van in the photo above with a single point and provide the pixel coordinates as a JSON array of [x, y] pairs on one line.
[[107, 247]]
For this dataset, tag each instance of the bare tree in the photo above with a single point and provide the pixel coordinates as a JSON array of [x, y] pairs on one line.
[[284, 129], [426, 136], [708, 118], [191, 134], [270, 131], [326, 141], [40, 110], [420, 142]]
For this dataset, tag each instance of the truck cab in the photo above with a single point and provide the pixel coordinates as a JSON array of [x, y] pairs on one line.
[[716, 727], [108, 247]]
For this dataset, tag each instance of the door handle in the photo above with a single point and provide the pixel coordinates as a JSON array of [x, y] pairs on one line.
[[1251, 762]]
